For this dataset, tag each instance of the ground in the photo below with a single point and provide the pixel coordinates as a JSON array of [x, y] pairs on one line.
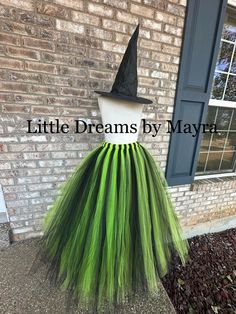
[[22, 292], [208, 282]]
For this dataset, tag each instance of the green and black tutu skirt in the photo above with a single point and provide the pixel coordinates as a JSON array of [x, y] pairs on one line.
[[113, 229]]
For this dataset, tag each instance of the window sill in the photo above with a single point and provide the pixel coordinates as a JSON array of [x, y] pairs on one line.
[[206, 184]]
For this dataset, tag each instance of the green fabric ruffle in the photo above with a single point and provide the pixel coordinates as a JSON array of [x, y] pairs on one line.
[[113, 229]]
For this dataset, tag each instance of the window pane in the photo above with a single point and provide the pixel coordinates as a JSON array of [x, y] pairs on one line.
[[211, 114], [218, 85], [233, 123], [231, 141], [218, 150], [201, 162], [218, 141], [230, 93], [205, 142], [223, 118], [233, 65], [228, 161], [224, 58], [229, 31], [213, 162]]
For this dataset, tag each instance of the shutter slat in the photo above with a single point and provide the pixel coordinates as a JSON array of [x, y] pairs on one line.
[[202, 33]]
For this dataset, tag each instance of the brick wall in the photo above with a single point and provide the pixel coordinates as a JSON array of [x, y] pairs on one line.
[[53, 54]]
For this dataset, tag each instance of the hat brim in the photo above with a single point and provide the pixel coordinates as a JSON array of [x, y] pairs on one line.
[[139, 100]]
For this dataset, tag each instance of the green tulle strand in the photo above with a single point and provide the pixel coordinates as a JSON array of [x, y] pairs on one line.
[[113, 228]]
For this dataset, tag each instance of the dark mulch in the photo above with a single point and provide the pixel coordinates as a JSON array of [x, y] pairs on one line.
[[207, 284]]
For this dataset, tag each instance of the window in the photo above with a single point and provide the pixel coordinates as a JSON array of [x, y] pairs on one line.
[[218, 151]]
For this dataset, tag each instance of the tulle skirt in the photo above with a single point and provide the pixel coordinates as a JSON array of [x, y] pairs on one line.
[[113, 229]]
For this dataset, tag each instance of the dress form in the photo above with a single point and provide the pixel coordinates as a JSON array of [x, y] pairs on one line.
[[119, 111], [113, 229]]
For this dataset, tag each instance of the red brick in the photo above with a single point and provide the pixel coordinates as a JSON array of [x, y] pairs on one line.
[[100, 10], [149, 81], [101, 55], [75, 111], [178, 41], [159, 74], [40, 67], [74, 4], [24, 77], [56, 80], [85, 18], [166, 18], [148, 44], [59, 101], [35, 19], [144, 33], [170, 49], [9, 39], [72, 71], [110, 46], [56, 58], [45, 90], [13, 27], [100, 33], [142, 10], [6, 98], [2, 50], [21, 4], [169, 67], [122, 38], [180, 22], [85, 41], [127, 17], [113, 25], [174, 30], [78, 51], [152, 24], [120, 4], [184, 2], [160, 56], [3, 148], [28, 99], [176, 9], [8, 63], [13, 86], [143, 72], [23, 53], [15, 108], [38, 43], [164, 38], [69, 26], [100, 75], [8, 181], [73, 92], [157, 4], [44, 110], [149, 64], [52, 10]]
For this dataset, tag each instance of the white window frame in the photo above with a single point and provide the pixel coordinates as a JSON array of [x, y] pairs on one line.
[[222, 103]]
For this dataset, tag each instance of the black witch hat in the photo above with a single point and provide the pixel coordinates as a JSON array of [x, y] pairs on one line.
[[126, 81]]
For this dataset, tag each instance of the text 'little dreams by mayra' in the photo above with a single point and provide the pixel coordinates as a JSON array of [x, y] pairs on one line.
[[81, 126]]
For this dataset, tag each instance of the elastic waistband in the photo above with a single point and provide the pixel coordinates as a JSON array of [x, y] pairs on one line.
[[107, 144]]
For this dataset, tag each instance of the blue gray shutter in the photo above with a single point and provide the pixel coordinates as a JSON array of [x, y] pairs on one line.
[[202, 33]]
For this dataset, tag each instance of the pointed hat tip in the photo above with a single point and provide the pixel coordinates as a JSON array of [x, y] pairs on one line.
[[136, 31]]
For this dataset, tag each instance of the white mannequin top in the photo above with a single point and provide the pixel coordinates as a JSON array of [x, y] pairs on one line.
[[119, 111]]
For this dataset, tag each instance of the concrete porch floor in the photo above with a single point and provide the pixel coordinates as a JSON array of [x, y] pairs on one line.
[[21, 292]]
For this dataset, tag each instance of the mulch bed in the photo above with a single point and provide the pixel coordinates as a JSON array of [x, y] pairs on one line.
[[207, 284]]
